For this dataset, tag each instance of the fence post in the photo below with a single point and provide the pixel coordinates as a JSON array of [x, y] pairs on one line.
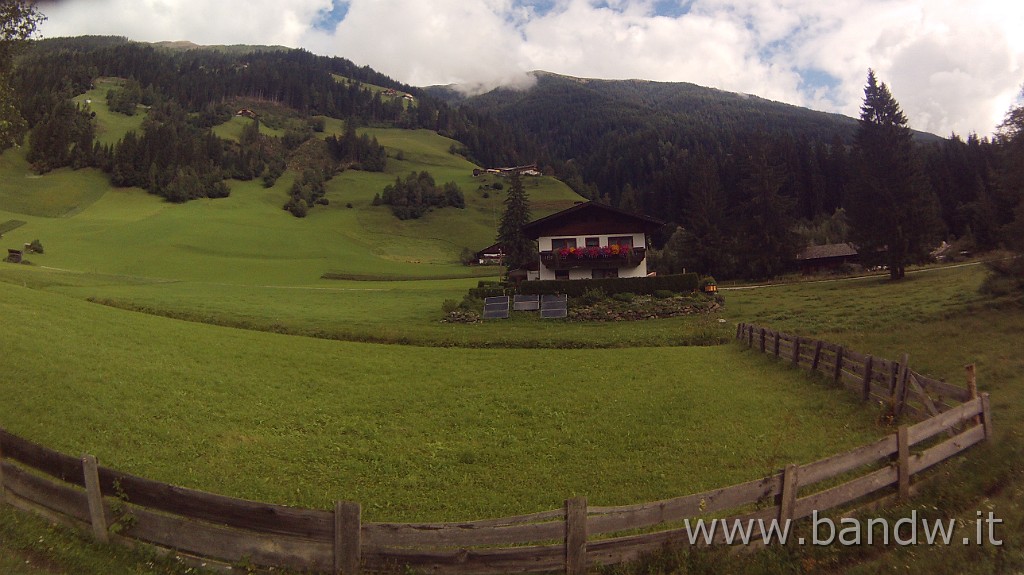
[[796, 350], [838, 373], [739, 330], [903, 447], [347, 537], [972, 387], [868, 366], [576, 536], [776, 344], [97, 518], [790, 487], [899, 395], [750, 336], [986, 415], [817, 355], [764, 334]]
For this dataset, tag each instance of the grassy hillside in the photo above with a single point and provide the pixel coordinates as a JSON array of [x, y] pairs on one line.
[[247, 238], [110, 126], [59, 194]]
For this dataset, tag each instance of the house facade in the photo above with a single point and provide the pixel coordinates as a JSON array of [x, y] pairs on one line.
[[592, 241]]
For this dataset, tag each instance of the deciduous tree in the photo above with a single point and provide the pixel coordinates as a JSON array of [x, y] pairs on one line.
[[18, 22]]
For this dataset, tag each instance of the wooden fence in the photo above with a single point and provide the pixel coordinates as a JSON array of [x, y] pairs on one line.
[[904, 391], [215, 529]]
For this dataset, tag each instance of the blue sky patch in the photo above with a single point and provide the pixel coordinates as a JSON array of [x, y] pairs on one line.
[[327, 20], [814, 78], [672, 8]]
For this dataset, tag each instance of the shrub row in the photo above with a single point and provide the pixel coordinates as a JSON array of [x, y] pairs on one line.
[[680, 283]]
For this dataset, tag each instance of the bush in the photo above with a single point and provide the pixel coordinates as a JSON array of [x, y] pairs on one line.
[[449, 305], [624, 297], [485, 292], [36, 246], [592, 295], [298, 208], [664, 294], [470, 303]]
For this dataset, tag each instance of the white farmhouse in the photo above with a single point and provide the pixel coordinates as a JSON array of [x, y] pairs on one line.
[[592, 240]]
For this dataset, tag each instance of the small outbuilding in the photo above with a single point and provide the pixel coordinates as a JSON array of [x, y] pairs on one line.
[[829, 257]]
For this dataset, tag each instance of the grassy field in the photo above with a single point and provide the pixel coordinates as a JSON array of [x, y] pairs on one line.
[[414, 433]]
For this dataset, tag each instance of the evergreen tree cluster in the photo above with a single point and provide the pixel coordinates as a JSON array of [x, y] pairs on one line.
[[63, 137], [170, 158], [417, 194], [357, 152]]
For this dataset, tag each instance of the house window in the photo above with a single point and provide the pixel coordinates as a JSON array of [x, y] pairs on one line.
[[593, 242], [598, 274], [561, 274], [560, 243], [621, 241]]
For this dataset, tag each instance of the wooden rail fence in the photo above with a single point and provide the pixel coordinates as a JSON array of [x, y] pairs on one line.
[[893, 383], [213, 528]]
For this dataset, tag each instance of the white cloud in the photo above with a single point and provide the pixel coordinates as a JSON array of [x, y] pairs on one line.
[[953, 65]]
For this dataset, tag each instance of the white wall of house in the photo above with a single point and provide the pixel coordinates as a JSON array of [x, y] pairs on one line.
[[639, 241]]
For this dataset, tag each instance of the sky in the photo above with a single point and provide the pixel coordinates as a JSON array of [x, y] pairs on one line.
[[954, 66]]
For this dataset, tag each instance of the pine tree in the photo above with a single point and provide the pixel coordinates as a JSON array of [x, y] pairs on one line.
[[519, 249], [892, 211]]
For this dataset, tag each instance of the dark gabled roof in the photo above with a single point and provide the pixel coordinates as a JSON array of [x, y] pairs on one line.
[[827, 251], [588, 211], [492, 249]]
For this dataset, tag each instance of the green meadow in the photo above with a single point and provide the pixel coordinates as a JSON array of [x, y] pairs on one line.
[[199, 344]]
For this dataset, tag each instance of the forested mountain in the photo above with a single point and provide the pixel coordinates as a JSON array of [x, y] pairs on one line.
[[736, 172], [743, 182]]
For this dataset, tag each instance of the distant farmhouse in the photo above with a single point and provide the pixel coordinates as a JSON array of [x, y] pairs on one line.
[[829, 257], [527, 170], [490, 255], [592, 240]]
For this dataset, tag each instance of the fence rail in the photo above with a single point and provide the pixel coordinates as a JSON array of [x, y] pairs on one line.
[[215, 528]]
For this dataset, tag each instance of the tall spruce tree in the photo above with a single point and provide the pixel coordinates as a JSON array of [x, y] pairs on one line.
[[892, 212], [518, 248]]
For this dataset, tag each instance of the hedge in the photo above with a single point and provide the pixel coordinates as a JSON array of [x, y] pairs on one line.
[[681, 283]]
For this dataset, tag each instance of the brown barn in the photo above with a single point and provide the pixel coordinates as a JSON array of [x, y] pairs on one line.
[[829, 257]]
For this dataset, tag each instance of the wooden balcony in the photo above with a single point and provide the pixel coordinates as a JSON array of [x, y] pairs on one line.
[[629, 259]]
